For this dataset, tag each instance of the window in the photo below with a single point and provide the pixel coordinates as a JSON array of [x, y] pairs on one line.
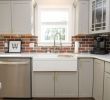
[[52, 21]]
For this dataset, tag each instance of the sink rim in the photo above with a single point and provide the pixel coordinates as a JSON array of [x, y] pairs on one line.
[[55, 56]]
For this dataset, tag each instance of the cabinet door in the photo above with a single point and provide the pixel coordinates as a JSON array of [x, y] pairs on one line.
[[107, 87], [98, 79], [99, 16], [66, 84], [82, 9], [5, 17], [85, 77], [21, 16], [43, 84]]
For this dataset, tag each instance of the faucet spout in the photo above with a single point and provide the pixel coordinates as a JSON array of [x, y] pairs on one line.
[[55, 41]]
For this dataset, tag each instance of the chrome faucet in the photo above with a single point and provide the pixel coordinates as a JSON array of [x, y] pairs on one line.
[[55, 41]]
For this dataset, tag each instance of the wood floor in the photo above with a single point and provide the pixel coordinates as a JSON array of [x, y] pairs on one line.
[[50, 99], [63, 99]]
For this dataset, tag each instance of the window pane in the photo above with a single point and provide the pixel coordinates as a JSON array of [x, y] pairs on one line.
[[54, 16], [49, 31], [54, 21]]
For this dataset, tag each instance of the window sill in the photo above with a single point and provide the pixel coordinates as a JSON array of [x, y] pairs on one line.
[[52, 44]]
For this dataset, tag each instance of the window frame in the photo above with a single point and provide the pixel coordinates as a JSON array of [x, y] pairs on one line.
[[70, 24]]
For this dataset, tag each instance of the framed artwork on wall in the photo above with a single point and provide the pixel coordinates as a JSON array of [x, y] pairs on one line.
[[14, 46]]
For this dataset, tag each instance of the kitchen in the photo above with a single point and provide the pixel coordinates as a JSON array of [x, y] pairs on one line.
[[55, 49]]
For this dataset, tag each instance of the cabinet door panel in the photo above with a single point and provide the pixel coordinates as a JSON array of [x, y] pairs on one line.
[[98, 79], [21, 16], [107, 87], [5, 17], [107, 67], [99, 16], [66, 84], [43, 84], [81, 17], [85, 77]]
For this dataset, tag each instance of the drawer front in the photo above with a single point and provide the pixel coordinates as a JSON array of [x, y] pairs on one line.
[[107, 67], [52, 65]]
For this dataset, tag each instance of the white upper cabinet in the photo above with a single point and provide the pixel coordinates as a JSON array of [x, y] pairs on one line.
[[16, 16], [99, 16], [81, 16], [21, 16], [5, 17]]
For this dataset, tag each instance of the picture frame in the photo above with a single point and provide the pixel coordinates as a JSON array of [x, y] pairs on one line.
[[14, 46]]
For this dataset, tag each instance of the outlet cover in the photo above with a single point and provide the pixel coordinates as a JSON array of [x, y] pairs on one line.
[[31, 45], [6, 44]]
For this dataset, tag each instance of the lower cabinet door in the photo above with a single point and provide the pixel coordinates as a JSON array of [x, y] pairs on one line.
[[98, 79], [85, 77], [107, 87], [43, 84], [66, 84]]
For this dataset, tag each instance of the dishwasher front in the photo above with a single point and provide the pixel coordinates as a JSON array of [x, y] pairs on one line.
[[15, 78]]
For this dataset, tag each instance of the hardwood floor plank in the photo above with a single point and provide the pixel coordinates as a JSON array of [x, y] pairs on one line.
[[51, 99]]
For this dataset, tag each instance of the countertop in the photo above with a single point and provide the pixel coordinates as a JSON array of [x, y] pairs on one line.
[[105, 57]]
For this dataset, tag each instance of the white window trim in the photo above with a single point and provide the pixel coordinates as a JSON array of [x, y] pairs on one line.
[[71, 30]]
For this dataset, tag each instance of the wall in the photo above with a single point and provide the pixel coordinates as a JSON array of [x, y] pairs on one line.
[[86, 43], [54, 2]]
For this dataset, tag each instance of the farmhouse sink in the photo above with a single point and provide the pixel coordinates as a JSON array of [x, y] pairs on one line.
[[55, 55], [65, 55], [54, 62]]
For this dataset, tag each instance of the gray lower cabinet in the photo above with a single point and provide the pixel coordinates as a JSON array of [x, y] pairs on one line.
[[98, 79], [66, 84], [55, 84], [85, 77], [89, 81], [107, 87], [43, 84], [107, 82]]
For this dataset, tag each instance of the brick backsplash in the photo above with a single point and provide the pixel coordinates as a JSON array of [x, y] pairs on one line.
[[26, 39], [86, 43]]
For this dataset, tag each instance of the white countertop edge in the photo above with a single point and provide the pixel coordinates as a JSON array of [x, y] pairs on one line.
[[38, 56]]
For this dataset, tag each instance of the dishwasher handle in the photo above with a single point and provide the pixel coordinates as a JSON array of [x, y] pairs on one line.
[[13, 63]]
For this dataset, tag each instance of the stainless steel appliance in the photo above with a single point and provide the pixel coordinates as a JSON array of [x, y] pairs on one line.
[[99, 45], [15, 78]]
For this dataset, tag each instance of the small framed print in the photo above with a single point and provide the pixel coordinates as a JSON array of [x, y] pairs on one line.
[[14, 46]]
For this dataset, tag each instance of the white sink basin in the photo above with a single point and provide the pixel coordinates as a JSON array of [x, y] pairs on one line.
[[55, 62], [54, 56], [46, 55], [65, 55]]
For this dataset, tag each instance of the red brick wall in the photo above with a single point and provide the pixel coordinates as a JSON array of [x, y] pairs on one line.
[[86, 43], [26, 39]]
